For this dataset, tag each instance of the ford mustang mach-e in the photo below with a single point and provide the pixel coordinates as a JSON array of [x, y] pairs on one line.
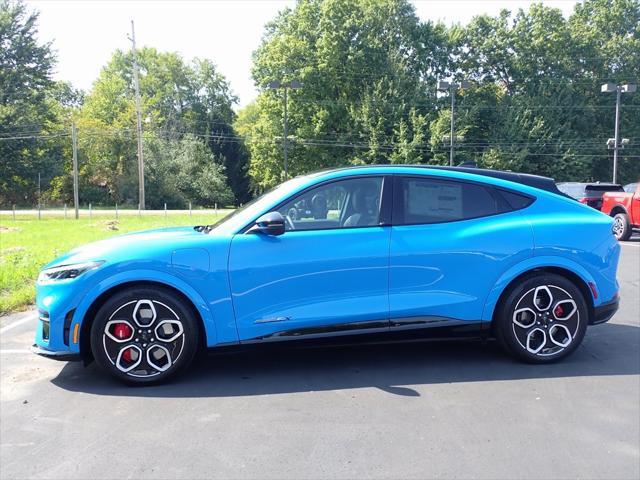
[[358, 252]]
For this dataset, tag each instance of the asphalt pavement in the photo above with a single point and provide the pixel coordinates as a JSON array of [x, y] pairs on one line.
[[417, 410]]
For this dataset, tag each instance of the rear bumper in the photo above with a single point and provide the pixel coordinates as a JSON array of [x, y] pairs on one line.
[[62, 356], [604, 312]]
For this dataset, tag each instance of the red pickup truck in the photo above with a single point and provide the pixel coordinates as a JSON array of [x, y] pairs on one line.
[[624, 207]]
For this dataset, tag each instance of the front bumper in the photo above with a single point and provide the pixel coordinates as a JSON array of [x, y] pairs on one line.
[[62, 356], [604, 312]]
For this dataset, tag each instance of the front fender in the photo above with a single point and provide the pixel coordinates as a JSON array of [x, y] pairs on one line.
[[156, 276], [526, 266]]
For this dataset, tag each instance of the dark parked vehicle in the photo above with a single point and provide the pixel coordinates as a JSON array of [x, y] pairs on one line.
[[589, 193]]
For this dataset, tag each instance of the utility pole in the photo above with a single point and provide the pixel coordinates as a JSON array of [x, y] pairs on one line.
[[451, 87], [285, 144], [39, 205], [616, 134], [74, 146], [453, 125], [136, 83], [617, 144], [293, 84]]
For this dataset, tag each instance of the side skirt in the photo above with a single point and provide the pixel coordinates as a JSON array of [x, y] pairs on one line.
[[398, 330]]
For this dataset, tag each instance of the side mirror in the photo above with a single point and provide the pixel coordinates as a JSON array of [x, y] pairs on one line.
[[271, 223]]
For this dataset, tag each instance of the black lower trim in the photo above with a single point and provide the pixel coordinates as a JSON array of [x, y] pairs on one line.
[[434, 326], [604, 312], [62, 356], [393, 330], [409, 332], [325, 331]]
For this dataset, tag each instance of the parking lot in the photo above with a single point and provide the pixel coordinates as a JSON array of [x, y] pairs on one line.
[[417, 410]]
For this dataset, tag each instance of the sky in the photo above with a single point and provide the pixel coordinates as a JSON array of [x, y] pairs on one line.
[[85, 33]]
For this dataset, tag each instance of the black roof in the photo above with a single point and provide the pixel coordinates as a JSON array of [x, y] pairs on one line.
[[536, 181]]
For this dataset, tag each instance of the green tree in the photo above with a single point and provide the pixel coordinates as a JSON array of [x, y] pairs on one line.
[[180, 171], [369, 70], [178, 99], [25, 105], [546, 114], [365, 67]]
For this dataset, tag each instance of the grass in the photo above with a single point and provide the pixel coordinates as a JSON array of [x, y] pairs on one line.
[[26, 244]]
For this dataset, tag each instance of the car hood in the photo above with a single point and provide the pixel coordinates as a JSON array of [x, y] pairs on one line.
[[136, 245]]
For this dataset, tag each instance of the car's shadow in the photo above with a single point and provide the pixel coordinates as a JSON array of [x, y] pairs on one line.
[[609, 349]]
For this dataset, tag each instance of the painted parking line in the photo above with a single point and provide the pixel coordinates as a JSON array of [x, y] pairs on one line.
[[17, 323], [15, 351], [630, 244]]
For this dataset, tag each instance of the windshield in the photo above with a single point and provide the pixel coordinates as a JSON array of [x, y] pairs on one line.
[[242, 216]]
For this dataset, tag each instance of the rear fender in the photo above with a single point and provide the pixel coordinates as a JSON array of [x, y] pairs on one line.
[[525, 266]]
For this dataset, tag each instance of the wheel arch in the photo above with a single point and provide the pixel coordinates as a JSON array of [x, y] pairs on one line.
[[92, 310], [563, 272], [578, 276], [617, 209]]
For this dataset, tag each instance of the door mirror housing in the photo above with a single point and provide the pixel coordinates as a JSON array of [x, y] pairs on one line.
[[271, 223]]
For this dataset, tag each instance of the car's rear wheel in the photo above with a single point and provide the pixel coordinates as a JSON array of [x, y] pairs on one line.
[[621, 226], [144, 335], [542, 319]]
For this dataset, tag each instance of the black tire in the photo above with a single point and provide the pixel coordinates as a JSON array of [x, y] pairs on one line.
[[523, 323], [621, 226], [151, 355]]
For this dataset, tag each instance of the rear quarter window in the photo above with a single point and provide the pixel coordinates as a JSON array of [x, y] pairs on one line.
[[427, 200], [516, 201]]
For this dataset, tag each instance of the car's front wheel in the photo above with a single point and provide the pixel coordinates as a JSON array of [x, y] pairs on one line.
[[144, 335], [542, 319], [621, 226]]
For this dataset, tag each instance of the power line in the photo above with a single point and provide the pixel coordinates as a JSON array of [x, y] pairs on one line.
[[30, 137], [338, 138]]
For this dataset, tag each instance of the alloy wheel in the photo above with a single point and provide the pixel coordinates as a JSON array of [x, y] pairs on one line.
[[618, 226], [545, 320], [143, 338]]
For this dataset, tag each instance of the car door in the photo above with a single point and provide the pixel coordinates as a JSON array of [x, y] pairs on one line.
[[450, 242], [326, 275]]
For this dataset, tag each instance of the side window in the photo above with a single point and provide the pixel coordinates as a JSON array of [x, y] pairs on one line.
[[429, 200], [348, 203]]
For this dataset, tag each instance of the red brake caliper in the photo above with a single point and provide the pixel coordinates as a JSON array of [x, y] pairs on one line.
[[122, 330], [559, 311], [126, 355]]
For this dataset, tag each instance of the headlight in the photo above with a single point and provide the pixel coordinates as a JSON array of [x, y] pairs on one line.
[[66, 272]]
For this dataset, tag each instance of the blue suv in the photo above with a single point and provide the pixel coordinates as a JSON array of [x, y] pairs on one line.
[[367, 251]]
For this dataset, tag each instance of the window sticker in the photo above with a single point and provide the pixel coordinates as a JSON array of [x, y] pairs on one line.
[[434, 199]]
